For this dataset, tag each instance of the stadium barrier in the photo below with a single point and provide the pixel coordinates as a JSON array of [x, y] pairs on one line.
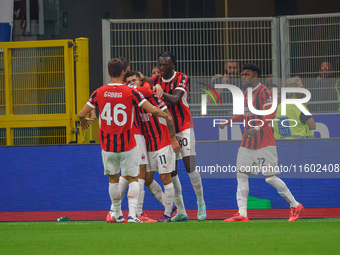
[[282, 46], [38, 97], [61, 180]]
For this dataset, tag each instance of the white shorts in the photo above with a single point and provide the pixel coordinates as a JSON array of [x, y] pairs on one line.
[[126, 161], [187, 142], [141, 150], [258, 160], [162, 160]]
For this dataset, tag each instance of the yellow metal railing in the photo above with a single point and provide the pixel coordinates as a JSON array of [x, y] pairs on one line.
[[82, 88], [37, 91], [2, 136]]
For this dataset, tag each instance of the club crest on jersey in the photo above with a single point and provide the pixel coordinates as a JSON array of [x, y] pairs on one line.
[[113, 94], [171, 86]]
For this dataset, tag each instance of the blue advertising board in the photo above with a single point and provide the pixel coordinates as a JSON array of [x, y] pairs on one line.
[[65, 178]]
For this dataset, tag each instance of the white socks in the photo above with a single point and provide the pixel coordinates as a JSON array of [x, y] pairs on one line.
[[242, 193], [139, 210], [114, 193], [283, 190], [123, 183], [168, 198], [156, 191], [196, 182], [178, 195], [133, 195]]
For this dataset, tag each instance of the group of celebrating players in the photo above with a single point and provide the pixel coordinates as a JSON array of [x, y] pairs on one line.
[[145, 125], [155, 115]]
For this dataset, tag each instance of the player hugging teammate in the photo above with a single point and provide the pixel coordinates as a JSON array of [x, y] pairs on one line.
[[150, 141]]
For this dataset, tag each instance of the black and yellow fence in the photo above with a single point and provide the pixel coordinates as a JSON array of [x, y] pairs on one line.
[[38, 96]]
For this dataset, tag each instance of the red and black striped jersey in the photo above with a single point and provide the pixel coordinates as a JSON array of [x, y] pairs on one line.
[[137, 128], [181, 111], [154, 128], [145, 89], [264, 137], [116, 112]]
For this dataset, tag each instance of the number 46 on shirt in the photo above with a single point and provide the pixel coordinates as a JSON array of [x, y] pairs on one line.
[[118, 113]]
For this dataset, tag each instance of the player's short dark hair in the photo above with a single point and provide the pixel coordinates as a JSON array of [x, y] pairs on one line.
[[131, 73], [273, 85], [125, 61], [168, 54], [253, 67], [115, 67]]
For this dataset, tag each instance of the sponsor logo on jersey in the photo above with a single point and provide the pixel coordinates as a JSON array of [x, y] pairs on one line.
[[145, 116]]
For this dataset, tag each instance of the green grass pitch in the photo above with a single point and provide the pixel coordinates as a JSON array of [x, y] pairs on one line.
[[305, 236]]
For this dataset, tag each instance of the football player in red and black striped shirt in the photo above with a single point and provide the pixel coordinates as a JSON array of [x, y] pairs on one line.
[[173, 86], [159, 136], [116, 102], [258, 148]]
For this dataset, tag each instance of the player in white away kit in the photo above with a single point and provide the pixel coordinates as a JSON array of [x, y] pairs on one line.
[[174, 88], [116, 102]]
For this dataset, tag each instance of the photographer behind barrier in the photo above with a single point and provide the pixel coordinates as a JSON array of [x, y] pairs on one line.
[[303, 123]]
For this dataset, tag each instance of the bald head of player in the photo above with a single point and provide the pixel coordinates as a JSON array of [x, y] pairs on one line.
[[166, 64], [250, 75]]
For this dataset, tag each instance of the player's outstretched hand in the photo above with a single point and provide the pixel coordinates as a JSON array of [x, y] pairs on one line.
[[175, 145], [250, 133], [158, 89], [222, 124], [85, 123]]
